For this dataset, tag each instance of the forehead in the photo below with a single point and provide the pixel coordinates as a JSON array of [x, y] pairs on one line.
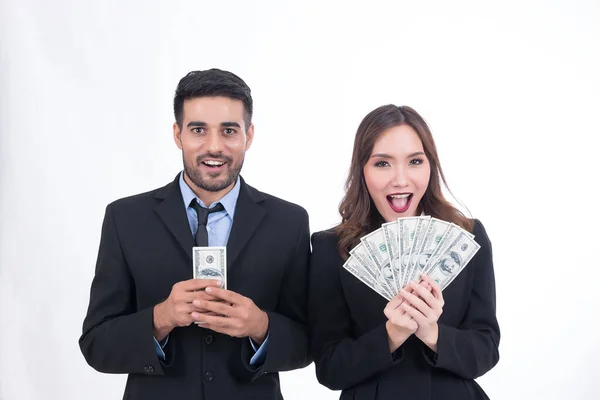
[[213, 110], [398, 141]]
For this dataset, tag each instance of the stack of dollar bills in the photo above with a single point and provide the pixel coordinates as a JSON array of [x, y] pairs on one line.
[[210, 263], [398, 252]]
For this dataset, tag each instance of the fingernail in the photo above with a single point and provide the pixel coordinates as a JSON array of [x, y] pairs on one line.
[[194, 315], [208, 289], [196, 302], [220, 283]]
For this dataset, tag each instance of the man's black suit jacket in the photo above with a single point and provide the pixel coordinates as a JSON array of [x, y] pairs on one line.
[[146, 247]]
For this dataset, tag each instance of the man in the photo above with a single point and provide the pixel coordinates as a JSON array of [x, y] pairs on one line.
[[185, 338]]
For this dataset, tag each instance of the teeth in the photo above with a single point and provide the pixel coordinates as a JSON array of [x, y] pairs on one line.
[[399, 196], [213, 163]]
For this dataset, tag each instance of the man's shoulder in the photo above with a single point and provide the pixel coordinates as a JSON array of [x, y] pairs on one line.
[[140, 200], [286, 205], [274, 203]]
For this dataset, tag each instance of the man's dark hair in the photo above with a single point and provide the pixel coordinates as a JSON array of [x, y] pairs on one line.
[[209, 83]]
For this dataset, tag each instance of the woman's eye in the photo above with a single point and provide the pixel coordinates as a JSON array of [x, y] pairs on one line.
[[382, 164], [416, 161]]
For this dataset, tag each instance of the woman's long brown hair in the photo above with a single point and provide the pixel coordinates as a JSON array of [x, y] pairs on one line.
[[359, 214]]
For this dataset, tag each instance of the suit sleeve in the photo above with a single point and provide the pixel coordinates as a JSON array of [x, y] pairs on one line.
[[471, 350], [341, 359], [116, 337], [288, 338]]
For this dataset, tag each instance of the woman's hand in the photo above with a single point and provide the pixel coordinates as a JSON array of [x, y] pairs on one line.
[[400, 324], [425, 307]]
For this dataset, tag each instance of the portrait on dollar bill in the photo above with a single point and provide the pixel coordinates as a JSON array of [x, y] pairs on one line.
[[450, 263]]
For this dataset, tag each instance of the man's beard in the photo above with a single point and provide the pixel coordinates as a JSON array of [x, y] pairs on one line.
[[210, 185]]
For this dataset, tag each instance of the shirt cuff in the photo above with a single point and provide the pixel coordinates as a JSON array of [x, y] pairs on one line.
[[260, 353], [160, 346]]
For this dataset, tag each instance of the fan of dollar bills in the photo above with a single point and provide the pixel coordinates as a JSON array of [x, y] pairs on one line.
[[388, 258]]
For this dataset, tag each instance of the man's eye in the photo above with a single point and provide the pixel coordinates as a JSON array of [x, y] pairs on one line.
[[229, 131], [197, 130]]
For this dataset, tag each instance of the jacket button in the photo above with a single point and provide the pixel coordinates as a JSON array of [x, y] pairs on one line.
[[208, 339], [149, 368], [208, 377]]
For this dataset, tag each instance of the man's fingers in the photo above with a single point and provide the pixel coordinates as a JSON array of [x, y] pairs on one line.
[[216, 307], [211, 320], [202, 295], [189, 308], [226, 295], [188, 297], [202, 323], [199, 284]]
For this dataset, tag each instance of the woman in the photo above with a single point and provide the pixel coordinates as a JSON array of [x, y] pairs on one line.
[[422, 344]]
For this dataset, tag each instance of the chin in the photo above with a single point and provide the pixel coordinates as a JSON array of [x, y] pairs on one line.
[[407, 213]]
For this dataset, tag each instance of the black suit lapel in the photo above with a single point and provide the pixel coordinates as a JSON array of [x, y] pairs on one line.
[[248, 215], [171, 210]]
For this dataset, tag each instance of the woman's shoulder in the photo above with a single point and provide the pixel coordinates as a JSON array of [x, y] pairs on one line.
[[325, 241], [330, 233], [478, 227], [480, 233]]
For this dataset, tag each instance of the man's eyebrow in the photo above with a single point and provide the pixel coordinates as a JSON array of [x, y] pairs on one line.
[[196, 123], [230, 124]]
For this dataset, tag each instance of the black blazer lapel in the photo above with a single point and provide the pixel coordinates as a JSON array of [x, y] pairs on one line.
[[248, 215], [171, 211]]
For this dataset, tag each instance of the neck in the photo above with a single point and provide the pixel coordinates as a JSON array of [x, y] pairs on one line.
[[207, 196]]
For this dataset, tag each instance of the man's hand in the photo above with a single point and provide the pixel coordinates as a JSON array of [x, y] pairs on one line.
[[238, 316], [176, 310]]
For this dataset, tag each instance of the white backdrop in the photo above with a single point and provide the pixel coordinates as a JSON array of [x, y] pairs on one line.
[[511, 91]]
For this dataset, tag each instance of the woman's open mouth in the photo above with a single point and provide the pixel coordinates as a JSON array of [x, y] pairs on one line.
[[399, 202]]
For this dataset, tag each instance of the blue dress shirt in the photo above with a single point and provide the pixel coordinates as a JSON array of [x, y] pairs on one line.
[[218, 228]]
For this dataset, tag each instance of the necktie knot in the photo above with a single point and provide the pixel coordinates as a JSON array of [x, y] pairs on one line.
[[201, 238], [203, 212]]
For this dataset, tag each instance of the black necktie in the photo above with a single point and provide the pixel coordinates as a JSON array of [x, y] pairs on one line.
[[201, 238]]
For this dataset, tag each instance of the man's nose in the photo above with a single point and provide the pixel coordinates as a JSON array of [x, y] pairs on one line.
[[214, 142]]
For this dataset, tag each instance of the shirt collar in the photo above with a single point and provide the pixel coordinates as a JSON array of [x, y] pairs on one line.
[[229, 200]]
